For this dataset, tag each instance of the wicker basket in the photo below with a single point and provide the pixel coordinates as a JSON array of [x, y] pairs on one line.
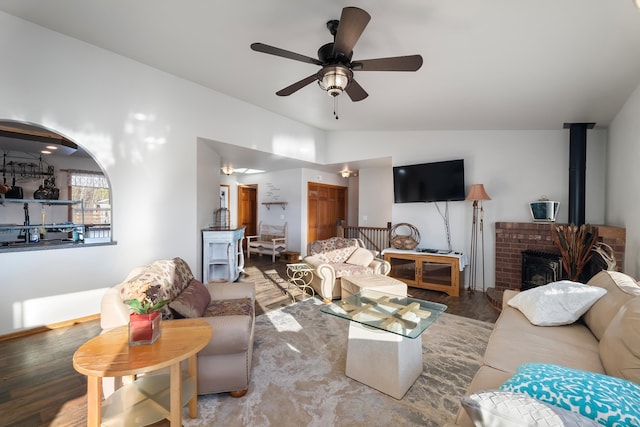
[[404, 241]]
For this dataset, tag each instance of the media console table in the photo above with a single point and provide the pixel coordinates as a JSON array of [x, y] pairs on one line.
[[436, 272]]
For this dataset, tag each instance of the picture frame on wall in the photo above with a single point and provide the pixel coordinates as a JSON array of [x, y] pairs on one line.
[[224, 196]]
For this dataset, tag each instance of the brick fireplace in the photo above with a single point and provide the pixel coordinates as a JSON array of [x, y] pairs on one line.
[[512, 238]]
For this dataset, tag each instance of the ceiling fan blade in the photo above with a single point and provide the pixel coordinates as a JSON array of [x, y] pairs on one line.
[[398, 63], [355, 91], [265, 48], [297, 85], [352, 23]]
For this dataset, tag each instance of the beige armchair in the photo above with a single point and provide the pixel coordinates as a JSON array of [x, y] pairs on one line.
[[224, 365], [337, 257]]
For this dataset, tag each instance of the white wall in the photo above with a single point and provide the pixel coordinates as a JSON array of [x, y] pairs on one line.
[[623, 179], [142, 126], [353, 204], [516, 167], [281, 186], [375, 183], [288, 186], [232, 182], [208, 190]]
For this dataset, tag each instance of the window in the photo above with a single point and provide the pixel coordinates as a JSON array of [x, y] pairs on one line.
[[93, 188]]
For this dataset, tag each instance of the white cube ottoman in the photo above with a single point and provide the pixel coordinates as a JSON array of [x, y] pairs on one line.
[[354, 284]]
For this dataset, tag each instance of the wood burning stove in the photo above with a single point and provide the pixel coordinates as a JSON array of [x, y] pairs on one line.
[[540, 268]]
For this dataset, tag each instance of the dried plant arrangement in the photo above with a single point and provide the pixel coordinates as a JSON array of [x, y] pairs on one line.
[[575, 244]]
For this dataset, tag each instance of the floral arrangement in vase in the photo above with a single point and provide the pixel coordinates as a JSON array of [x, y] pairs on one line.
[[144, 321]]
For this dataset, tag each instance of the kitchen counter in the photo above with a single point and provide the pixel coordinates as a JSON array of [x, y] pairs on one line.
[[45, 244]]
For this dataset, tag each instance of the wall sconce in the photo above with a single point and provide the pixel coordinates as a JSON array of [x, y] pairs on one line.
[[227, 170], [345, 173]]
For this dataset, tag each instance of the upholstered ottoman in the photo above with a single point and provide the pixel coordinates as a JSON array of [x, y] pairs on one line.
[[354, 284]]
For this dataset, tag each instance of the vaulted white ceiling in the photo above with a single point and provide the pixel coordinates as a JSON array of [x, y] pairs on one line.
[[491, 64]]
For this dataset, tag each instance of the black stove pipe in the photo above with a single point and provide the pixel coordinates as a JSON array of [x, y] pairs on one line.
[[577, 170]]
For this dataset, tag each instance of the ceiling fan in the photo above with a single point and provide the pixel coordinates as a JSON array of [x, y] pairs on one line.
[[336, 74]]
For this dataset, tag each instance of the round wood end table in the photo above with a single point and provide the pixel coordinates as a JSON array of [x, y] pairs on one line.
[[110, 355]]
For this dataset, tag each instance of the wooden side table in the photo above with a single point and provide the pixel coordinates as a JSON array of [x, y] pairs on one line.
[[289, 256], [109, 355]]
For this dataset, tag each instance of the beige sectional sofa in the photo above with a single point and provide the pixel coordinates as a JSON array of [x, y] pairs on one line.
[[605, 340]]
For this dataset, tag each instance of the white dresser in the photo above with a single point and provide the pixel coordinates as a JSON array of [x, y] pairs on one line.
[[222, 256]]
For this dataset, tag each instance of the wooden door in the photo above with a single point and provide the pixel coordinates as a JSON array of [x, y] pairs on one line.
[[326, 205], [248, 210]]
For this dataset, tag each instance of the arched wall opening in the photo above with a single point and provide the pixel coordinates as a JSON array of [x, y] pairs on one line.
[[53, 193]]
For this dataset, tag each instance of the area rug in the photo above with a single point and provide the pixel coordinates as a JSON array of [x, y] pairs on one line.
[[298, 375]]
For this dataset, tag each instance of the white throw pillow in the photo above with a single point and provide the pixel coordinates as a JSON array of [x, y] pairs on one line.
[[497, 408], [361, 257], [557, 303]]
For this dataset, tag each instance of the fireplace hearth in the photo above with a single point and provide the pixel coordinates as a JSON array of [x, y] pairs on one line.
[[513, 238], [540, 268]]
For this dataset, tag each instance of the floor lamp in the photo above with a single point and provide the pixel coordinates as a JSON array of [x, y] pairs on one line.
[[477, 194]]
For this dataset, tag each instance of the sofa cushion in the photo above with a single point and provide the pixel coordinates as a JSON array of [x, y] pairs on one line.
[[557, 303], [230, 307], [361, 257], [171, 276], [337, 256], [515, 341], [192, 301], [350, 270], [620, 289], [334, 250], [620, 344], [232, 334], [314, 260], [605, 399], [498, 408]]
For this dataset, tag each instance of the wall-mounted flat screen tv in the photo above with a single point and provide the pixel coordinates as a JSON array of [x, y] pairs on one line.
[[429, 182]]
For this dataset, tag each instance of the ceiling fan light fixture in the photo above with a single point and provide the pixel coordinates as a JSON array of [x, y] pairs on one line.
[[334, 79]]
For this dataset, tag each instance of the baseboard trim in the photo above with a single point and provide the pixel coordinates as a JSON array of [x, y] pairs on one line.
[[36, 330]]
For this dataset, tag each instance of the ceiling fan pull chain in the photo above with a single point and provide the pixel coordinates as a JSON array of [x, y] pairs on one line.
[[335, 107]]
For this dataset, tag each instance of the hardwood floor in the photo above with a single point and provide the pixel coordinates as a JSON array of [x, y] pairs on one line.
[[474, 306], [39, 387]]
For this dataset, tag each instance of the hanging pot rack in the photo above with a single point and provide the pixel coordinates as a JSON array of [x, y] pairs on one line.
[[25, 167]]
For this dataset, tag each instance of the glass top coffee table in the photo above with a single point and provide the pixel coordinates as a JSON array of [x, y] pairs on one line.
[[385, 338], [400, 315]]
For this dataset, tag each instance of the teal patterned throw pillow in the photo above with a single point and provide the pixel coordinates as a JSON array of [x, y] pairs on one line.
[[610, 401]]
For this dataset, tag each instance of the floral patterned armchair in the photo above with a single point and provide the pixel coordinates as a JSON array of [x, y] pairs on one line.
[[336, 257]]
